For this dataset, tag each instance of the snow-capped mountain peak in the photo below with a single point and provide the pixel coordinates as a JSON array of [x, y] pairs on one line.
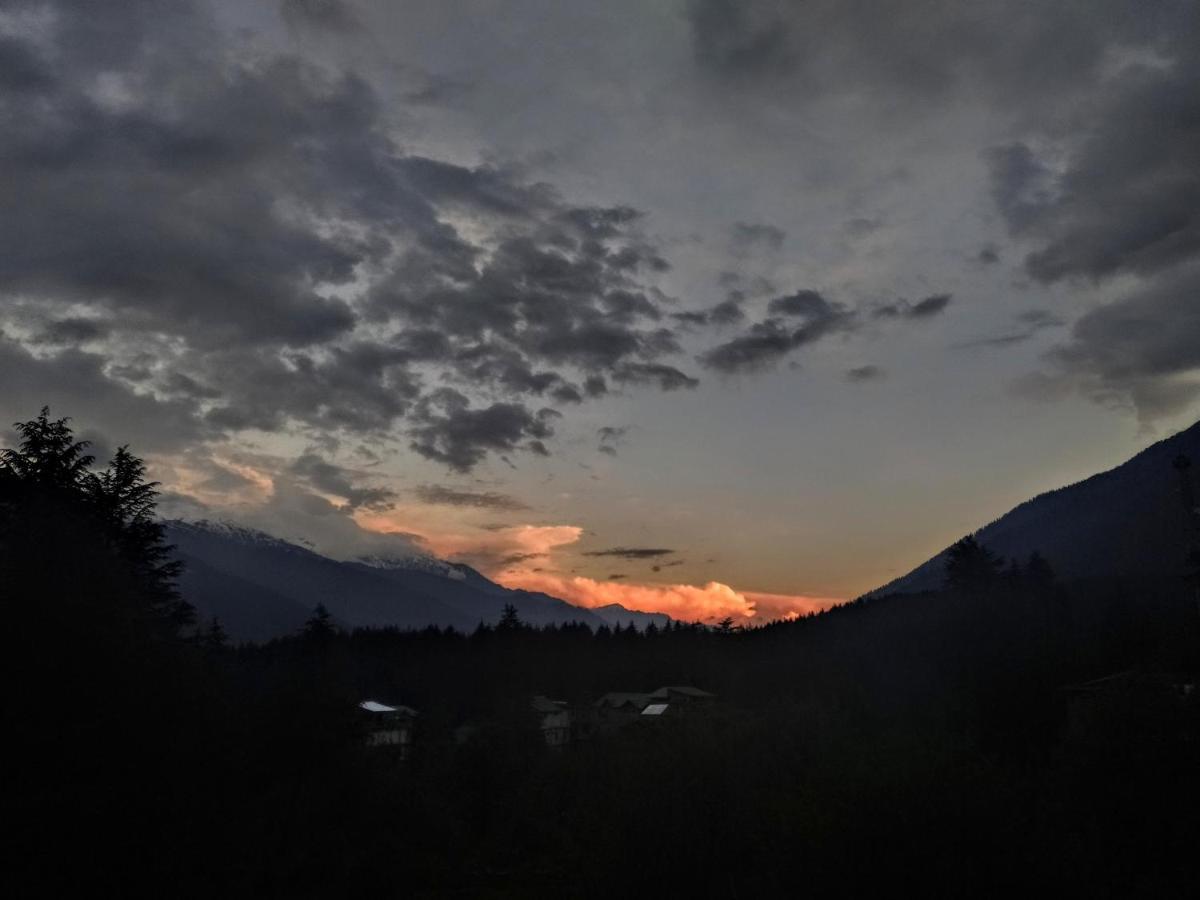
[[416, 563]]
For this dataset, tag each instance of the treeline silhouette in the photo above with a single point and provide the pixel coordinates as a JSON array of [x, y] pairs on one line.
[[923, 744]]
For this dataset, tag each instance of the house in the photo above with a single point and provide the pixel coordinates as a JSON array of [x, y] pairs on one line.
[[681, 695], [554, 720], [624, 701], [388, 726], [619, 708]]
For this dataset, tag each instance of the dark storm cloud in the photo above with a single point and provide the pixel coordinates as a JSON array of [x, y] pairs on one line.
[[449, 431], [331, 479], [72, 330], [903, 51], [1113, 191], [668, 378], [1126, 198], [557, 296], [802, 303], [922, 309], [768, 341], [691, 318], [242, 219], [361, 388], [1097, 177], [609, 438], [929, 307], [632, 552], [802, 318], [150, 425], [1143, 350], [765, 343], [727, 312], [864, 373], [439, 495], [173, 216]]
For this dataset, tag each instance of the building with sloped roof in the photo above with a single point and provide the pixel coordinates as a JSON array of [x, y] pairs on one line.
[[681, 694], [388, 726]]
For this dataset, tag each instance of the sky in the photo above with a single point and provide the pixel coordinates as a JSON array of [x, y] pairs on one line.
[[709, 307]]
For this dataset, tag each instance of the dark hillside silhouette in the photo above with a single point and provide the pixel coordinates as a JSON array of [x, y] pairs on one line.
[[1011, 732], [1124, 522]]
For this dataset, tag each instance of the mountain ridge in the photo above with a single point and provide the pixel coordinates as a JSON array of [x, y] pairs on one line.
[[1125, 521], [261, 586]]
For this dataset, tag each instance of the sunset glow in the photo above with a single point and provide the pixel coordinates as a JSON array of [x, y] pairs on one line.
[[711, 602], [529, 557]]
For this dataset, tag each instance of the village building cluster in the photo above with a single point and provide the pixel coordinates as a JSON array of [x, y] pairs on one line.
[[561, 723]]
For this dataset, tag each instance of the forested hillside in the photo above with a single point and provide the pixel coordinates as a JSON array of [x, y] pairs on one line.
[[952, 742], [1130, 521]]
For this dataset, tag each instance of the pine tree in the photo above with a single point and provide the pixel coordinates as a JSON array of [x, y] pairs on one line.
[[509, 619], [320, 627], [59, 520], [126, 501], [969, 564], [49, 456]]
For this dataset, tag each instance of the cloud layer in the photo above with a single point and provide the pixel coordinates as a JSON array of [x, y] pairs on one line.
[[239, 236]]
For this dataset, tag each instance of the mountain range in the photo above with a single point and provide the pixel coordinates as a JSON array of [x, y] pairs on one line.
[[261, 587], [1128, 522]]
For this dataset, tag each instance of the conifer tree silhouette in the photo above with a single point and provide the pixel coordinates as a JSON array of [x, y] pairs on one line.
[[509, 619], [320, 627], [55, 512], [969, 564], [48, 455]]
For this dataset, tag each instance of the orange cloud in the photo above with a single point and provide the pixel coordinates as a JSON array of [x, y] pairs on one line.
[[515, 540], [789, 606], [486, 550], [521, 556], [689, 603]]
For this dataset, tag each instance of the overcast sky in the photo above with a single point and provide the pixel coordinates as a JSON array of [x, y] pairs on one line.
[[714, 307]]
